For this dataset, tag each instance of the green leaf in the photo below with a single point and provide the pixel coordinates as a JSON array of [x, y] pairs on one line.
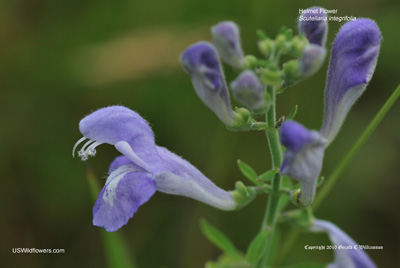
[[248, 172], [116, 249], [292, 113], [282, 29], [225, 261], [307, 265], [288, 34], [219, 239], [213, 265], [261, 35], [257, 247], [267, 176]]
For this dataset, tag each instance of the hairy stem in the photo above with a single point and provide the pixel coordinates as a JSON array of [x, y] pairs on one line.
[[271, 212]]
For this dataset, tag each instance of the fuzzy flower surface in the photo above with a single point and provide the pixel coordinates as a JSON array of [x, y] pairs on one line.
[[226, 38], [249, 91], [141, 170], [314, 25], [353, 60], [201, 61], [352, 64], [303, 157]]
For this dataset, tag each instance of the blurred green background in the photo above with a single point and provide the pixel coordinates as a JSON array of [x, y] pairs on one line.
[[60, 60]]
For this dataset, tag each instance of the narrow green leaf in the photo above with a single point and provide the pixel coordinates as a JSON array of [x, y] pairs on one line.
[[248, 172], [307, 265], [267, 176], [115, 247], [288, 34], [213, 265], [261, 35], [282, 29], [257, 247], [292, 113], [219, 239]]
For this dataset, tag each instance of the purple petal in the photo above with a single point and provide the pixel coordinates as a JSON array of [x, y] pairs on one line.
[[249, 91], [125, 191], [201, 61], [226, 38], [353, 60], [182, 178], [295, 137], [354, 257], [117, 162], [123, 128], [113, 124], [303, 157], [313, 24]]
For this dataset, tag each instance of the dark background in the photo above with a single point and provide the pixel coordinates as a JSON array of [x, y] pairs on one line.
[[60, 60]]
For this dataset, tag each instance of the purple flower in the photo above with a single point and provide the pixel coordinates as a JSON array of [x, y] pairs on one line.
[[313, 24], [352, 64], [353, 60], [226, 38], [249, 91], [201, 61], [311, 60], [303, 157], [348, 254], [142, 169]]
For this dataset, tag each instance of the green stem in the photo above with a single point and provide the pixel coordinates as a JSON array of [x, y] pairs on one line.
[[332, 179], [268, 189], [271, 212]]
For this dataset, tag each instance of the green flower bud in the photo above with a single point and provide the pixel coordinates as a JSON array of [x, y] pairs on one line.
[[271, 76], [297, 46], [266, 47], [250, 62], [242, 120]]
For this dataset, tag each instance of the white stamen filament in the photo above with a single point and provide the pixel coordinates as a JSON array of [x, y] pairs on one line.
[[91, 150], [83, 149], [76, 145], [88, 149]]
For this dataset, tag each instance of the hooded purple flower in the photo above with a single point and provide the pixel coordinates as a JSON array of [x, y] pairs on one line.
[[142, 169], [353, 60], [311, 60], [352, 64], [303, 157], [226, 38], [348, 254], [201, 61], [314, 25], [249, 91]]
